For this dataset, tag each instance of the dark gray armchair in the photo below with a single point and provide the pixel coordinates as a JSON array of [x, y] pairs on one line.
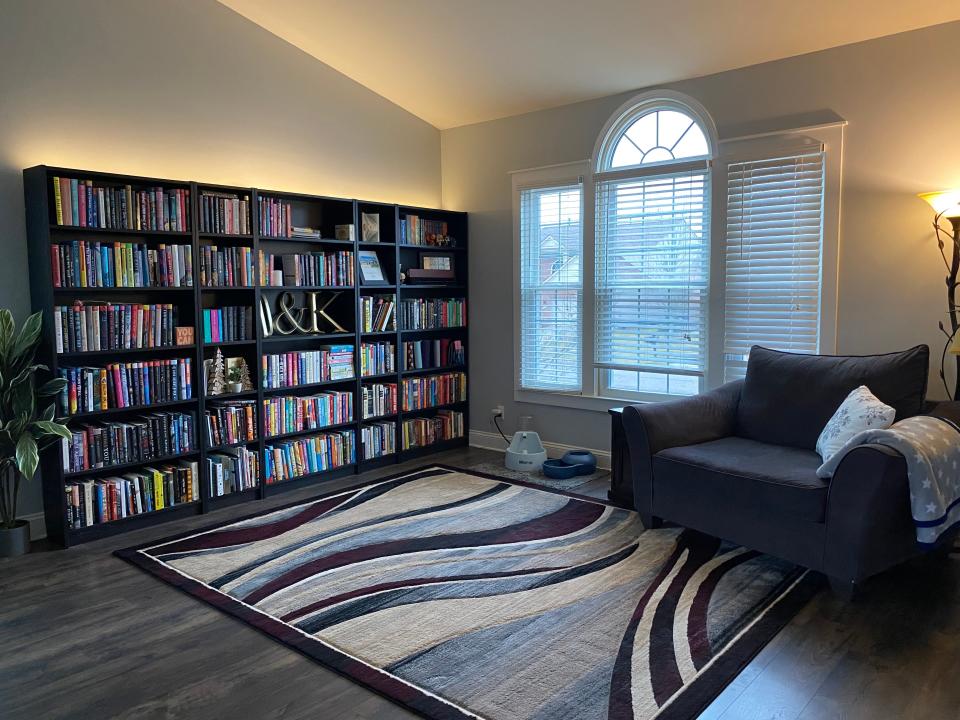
[[739, 463]]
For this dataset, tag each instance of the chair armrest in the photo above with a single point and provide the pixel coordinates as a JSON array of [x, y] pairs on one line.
[[948, 410], [869, 525], [653, 427]]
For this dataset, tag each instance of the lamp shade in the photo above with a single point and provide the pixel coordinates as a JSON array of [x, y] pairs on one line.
[[946, 202]]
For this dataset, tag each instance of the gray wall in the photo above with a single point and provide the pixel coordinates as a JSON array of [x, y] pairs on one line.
[[897, 94], [187, 89]]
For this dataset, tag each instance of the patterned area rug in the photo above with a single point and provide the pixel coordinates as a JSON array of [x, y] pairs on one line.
[[461, 595]]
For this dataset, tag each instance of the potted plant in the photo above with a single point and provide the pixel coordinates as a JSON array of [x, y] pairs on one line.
[[235, 379], [25, 428]]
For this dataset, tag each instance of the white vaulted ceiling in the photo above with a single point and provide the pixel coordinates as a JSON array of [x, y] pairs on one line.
[[454, 62]]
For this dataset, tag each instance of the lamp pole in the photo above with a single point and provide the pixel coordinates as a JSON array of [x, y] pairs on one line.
[[954, 269]]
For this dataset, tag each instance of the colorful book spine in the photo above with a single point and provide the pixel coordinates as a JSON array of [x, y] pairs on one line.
[[434, 390], [291, 459], [104, 445], [82, 203], [378, 439], [93, 327], [224, 213], [289, 414], [84, 263], [378, 399], [377, 359], [226, 267], [282, 370], [433, 313], [228, 423], [426, 431], [123, 385]]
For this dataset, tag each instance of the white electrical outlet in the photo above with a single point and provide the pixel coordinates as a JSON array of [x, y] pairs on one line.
[[496, 411]]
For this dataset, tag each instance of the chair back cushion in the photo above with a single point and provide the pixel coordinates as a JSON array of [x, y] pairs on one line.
[[787, 398]]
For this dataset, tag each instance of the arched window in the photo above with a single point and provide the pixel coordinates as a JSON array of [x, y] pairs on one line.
[[653, 247]]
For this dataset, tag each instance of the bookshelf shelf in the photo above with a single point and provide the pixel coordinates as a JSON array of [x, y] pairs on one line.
[[207, 209], [231, 446], [110, 412], [433, 408], [432, 370], [314, 431], [123, 352], [112, 469], [116, 231], [296, 389]]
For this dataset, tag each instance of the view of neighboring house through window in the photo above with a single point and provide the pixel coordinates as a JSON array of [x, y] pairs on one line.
[[551, 288]]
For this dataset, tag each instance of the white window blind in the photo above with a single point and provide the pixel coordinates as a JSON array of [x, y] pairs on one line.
[[652, 271], [774, 247], [551, 288]]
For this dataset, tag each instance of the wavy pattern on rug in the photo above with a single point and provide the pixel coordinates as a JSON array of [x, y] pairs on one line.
[[465, 595]]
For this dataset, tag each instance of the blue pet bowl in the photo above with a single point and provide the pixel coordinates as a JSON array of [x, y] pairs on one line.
[[584, 461], [559, 470]]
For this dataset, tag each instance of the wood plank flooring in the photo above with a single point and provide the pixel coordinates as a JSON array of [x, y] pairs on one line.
[[84, 635]]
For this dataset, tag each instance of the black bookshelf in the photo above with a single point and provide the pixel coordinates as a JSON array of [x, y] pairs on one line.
[[317, 211]]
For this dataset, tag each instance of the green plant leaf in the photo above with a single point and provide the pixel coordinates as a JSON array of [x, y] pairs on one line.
[[22, 401], [7, 327], [47, 427], [50, 412], [27, 455], [28, 336], [49, 388]]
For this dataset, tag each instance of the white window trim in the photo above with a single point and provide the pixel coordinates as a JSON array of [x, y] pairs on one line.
[[544, 177], [830, 135]]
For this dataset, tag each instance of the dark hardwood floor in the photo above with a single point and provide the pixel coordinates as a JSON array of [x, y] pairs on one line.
[[85, 635]]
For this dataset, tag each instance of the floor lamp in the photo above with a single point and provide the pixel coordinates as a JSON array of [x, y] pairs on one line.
[[946, 205]]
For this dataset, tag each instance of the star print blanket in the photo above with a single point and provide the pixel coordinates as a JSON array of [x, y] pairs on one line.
[[931, 447]]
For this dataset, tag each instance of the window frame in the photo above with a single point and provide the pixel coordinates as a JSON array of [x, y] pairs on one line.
[[560, 175], [592, 396]]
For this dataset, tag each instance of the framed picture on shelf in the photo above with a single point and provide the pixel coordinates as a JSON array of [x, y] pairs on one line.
[[434, 267], [370, 271], [370, 227]]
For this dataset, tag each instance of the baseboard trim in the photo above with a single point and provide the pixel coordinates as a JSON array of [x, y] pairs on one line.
[[38, 525], [493, 441]]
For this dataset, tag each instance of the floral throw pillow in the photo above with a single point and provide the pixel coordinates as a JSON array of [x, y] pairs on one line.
[[860, 411]]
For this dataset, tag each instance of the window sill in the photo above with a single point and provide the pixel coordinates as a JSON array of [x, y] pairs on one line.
[[573, 401]]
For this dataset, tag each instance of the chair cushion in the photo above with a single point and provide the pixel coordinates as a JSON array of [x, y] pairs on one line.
[[787, 398], [735, 474]]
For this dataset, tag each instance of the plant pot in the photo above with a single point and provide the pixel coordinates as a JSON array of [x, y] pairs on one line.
[[16, 541], [235, 387]]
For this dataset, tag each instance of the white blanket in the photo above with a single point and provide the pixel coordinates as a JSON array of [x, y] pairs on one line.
[[931, 447]]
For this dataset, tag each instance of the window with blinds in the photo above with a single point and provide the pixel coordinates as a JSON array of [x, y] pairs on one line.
[[773, 255], [652, 277], [551, 288]]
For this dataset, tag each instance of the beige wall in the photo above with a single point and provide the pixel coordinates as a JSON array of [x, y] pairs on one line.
[[897, 93], [187, 89]]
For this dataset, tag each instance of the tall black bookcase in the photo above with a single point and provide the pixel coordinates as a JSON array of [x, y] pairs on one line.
[[320, 212]]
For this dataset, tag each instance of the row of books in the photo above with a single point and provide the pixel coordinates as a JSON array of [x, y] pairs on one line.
[[226, 267], [121, 385], [433, 390], [294, 458], [232, 471], [377, 313], [432, 313], [85, 327], [424, 431], [290, 414], [415, 230], [227, 324], [377, 358], [81, 263], [438, 353], [275, 217], [224, 213], [378, 439], [333, 362], [138, 440], [304, 269], [378, 399], [91, 502], [81, 203], [229, 422]]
